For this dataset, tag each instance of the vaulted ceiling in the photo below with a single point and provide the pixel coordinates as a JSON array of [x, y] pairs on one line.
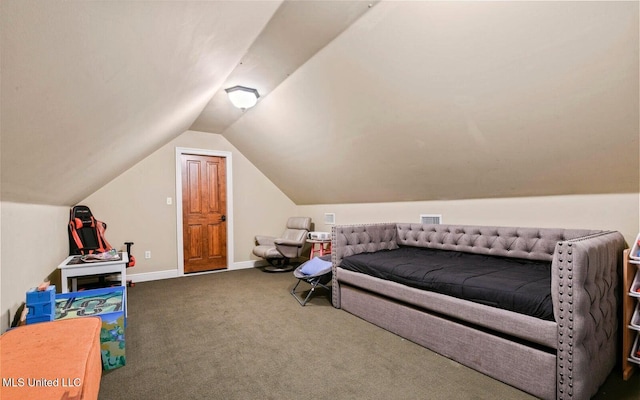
[[360, 101]]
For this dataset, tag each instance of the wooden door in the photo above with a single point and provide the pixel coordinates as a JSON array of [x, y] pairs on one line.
[[204, 209]]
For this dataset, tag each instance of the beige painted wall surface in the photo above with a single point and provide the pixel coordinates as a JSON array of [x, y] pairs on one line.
[[437, 100], [134, 205], [34, 241], [620, 212]]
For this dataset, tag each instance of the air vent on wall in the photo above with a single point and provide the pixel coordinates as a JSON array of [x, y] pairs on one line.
[[330, 218], [430, 218]]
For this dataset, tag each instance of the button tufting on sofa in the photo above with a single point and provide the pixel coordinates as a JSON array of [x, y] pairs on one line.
[[534, 244]]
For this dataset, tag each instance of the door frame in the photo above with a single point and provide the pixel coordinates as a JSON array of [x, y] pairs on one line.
[[180, 240]]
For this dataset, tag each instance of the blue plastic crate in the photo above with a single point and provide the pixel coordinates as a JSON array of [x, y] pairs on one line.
[[47, 295], [41, 305], [42, 309]]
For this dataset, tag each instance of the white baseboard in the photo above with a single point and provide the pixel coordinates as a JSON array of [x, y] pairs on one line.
[[153, 276], [248, 264], [173, 273]]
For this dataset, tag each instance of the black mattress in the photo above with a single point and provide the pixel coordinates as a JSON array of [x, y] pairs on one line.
[[522, 286]]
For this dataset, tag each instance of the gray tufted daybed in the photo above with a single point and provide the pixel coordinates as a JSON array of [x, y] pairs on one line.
[[566, 356]]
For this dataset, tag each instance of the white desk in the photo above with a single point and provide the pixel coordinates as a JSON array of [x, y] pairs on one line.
[[70, 271]]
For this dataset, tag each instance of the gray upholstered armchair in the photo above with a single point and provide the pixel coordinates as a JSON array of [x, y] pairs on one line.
[[278, 251]]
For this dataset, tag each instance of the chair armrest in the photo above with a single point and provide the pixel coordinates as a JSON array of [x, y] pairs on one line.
[[289, 248], [288, 242], [265, 240]]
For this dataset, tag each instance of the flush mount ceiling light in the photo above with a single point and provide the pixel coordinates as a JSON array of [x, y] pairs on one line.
[[242, 97]]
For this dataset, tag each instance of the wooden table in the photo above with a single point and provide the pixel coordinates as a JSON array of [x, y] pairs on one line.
[[324, 247]]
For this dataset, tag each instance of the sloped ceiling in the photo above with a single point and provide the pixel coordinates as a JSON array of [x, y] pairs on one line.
[[412, 101], [455, 100], [296, 32], [91, 88]]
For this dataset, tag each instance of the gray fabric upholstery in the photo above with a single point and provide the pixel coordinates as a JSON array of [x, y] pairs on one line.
[[347, 240], [585, 292], [511, 362], [544, 333], [584, 269], [527, 243]]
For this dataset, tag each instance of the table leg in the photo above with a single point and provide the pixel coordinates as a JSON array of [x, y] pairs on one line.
[[123, 283], [64, 282], [313, 250]]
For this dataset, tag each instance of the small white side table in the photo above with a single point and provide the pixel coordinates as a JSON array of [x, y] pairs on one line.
[[72, 267]]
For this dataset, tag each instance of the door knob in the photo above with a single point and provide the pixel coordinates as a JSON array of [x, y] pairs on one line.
[[223, 218]]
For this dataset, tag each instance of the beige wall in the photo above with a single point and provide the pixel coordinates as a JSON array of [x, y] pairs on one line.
[[437, 100], [34, 242], [615, 211], [134, 205]]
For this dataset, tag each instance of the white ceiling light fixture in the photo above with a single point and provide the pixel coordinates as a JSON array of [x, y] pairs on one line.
[[243, 97]]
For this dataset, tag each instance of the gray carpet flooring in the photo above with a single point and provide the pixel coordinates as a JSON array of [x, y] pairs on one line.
[[240, 335]]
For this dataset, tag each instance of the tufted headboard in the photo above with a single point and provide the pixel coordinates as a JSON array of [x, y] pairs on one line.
[[526, 243], [347, 240]]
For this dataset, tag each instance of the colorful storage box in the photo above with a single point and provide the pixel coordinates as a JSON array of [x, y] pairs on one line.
[[634, 291], [635, 320], [635, 351], [634, 253], [47, 295], [40, 304], [108, 304]]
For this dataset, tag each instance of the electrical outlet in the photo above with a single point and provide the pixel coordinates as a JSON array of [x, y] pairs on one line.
[[169, 201], [147, 254]]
